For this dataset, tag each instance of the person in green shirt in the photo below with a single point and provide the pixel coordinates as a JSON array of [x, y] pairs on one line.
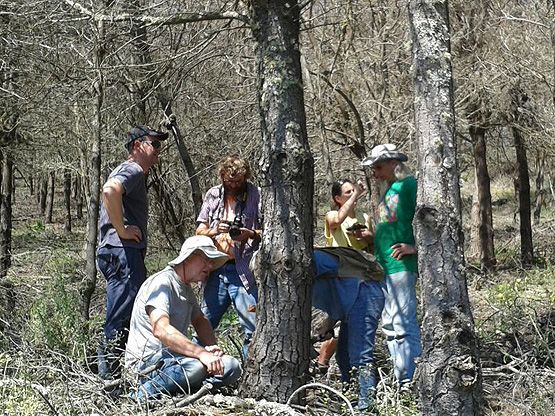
[[395, 250]]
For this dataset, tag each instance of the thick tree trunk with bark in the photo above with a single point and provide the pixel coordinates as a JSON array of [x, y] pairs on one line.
[[482, 224], [88, 284], [524, 207], [449, 376], [279, 355], [6, 212]]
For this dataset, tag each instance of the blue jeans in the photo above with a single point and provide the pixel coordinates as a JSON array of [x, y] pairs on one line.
[[400, 325], [223, 288], [180, 374], [125, 272], [356, 341]]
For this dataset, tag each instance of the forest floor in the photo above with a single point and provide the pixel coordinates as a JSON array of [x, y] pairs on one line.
[[47, 363]]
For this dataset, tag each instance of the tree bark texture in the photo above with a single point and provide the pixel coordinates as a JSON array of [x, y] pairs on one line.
[[449, 375], [279, 355], [88, 284], [524, 201], [6, 212], [483, 240]]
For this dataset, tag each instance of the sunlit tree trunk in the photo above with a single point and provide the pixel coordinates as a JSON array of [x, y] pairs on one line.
[[89, 282], [449, 377], [524, 201], [482, 221], [279, 354]]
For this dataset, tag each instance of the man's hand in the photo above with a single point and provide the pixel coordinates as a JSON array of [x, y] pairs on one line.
[[214, 349], [214, 364], [401, 250], [245, 234], [130, 232], [222, 228]]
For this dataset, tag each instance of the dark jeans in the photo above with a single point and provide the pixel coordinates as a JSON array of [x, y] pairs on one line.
[[124, 270], [355, 349]]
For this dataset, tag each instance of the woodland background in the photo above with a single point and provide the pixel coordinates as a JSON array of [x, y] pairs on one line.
[[74, 77]]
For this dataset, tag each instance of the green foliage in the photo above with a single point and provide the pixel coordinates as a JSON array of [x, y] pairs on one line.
[[19, 400], [154, 262], [63, 265], [37, 227], [55, 321]]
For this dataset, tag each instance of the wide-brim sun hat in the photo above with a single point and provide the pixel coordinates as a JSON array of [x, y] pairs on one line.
[[204, 244], [382, 152]]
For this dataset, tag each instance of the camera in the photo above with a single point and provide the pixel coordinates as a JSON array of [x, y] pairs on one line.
[[235, 227], [356, 226]]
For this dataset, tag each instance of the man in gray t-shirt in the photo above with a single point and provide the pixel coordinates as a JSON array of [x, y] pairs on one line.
[[164, 309], [123, 240]]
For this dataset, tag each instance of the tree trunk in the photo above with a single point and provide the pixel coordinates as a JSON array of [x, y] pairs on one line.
[[50, 199], [540, 190], [279, 355], [449, 375], [177, 230], [67, 199], [78, 192], [524, 208], [484, 234], [141, 57], [196, 193], [43, 192], [6, 212], [88, 284]]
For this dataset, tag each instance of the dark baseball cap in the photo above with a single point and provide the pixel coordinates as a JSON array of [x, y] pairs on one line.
[[140, 132]]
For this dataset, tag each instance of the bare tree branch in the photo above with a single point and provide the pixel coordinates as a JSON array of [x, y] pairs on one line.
[[176, 19]]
